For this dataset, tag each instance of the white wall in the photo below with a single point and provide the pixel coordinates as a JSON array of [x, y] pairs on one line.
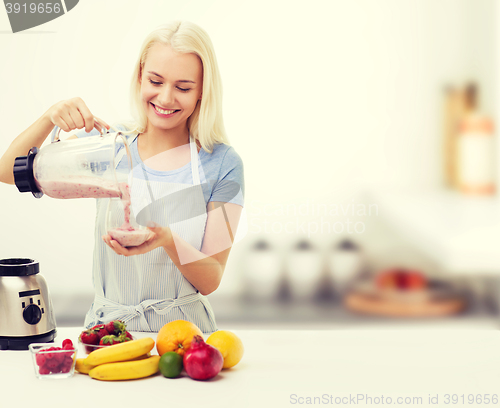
[[321, 99]]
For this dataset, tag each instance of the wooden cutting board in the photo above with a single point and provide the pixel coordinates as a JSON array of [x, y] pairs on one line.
[[367, 299]]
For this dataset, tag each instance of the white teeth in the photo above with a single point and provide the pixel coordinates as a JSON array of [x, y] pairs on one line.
[[165, 112]]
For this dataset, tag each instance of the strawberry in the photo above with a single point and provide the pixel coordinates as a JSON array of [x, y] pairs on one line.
[[89, 337], [101, 332], [126, 336], [109, 340], [115, 327]]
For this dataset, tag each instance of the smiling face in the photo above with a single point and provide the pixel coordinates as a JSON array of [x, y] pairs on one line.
[[171, 85]]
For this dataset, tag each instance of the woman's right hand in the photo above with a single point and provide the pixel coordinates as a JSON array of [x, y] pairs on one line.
[[69, 115], [74, 114]]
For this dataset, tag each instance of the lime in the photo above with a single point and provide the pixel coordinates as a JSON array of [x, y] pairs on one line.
[[170, 364]]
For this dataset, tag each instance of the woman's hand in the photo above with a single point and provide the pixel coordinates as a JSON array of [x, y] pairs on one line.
[[68, 115], [74, 114], [203, 269], [160, 237]]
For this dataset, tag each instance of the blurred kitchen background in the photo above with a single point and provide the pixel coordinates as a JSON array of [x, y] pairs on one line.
[[368, 131]]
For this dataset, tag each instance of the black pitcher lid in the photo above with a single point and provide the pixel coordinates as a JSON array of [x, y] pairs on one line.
[[23, 173]]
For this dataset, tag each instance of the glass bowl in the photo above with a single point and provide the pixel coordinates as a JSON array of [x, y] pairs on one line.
[[49, 363], [89, 348]]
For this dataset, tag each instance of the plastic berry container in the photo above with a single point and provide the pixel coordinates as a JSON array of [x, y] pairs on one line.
[[50, 363]]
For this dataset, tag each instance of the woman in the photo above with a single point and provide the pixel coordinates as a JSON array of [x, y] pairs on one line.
[[178, 144]]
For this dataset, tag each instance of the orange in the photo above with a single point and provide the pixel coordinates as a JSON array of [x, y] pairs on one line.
[[176, 336], [230, 346]]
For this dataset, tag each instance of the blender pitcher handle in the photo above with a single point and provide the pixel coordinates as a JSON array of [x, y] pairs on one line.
[[54, 136]]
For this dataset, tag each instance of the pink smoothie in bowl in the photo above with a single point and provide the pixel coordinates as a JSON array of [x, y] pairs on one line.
[[129, 238]]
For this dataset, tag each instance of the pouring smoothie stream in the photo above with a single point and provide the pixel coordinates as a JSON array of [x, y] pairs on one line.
[[126, 234]]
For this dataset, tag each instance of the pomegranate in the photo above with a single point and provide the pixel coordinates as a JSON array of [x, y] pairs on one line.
[[201, 360]]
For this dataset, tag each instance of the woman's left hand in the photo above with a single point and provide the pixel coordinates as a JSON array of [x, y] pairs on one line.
[[159, 238]]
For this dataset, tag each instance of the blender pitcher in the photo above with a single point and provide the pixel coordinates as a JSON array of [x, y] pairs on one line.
[[94, 166]]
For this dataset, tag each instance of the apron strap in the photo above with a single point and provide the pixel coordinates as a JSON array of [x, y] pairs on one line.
[[110, 310], [194, 161]]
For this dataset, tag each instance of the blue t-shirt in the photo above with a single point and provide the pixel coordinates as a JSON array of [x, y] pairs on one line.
[[221, 172]]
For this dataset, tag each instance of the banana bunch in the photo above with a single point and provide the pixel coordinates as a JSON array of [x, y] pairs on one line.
[[123, 361]]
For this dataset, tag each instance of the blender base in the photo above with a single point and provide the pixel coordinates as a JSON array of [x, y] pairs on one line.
[[22, 343]]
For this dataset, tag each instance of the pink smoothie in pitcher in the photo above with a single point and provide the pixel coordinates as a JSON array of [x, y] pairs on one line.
[[80, 187]]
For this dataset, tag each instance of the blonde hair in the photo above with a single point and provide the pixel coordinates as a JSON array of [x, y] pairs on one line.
[[205, 123]]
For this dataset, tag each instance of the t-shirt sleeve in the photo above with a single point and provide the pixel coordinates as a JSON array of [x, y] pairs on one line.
[[230, 186]]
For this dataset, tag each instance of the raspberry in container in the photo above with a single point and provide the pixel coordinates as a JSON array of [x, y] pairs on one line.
[[53, 362]]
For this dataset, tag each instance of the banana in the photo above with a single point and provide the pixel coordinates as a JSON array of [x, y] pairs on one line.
[[120, 352], [126, 370], [85, 368], [147, 355], [82, 367]]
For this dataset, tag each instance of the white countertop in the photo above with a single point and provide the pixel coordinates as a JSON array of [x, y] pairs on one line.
[[279, 364]]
